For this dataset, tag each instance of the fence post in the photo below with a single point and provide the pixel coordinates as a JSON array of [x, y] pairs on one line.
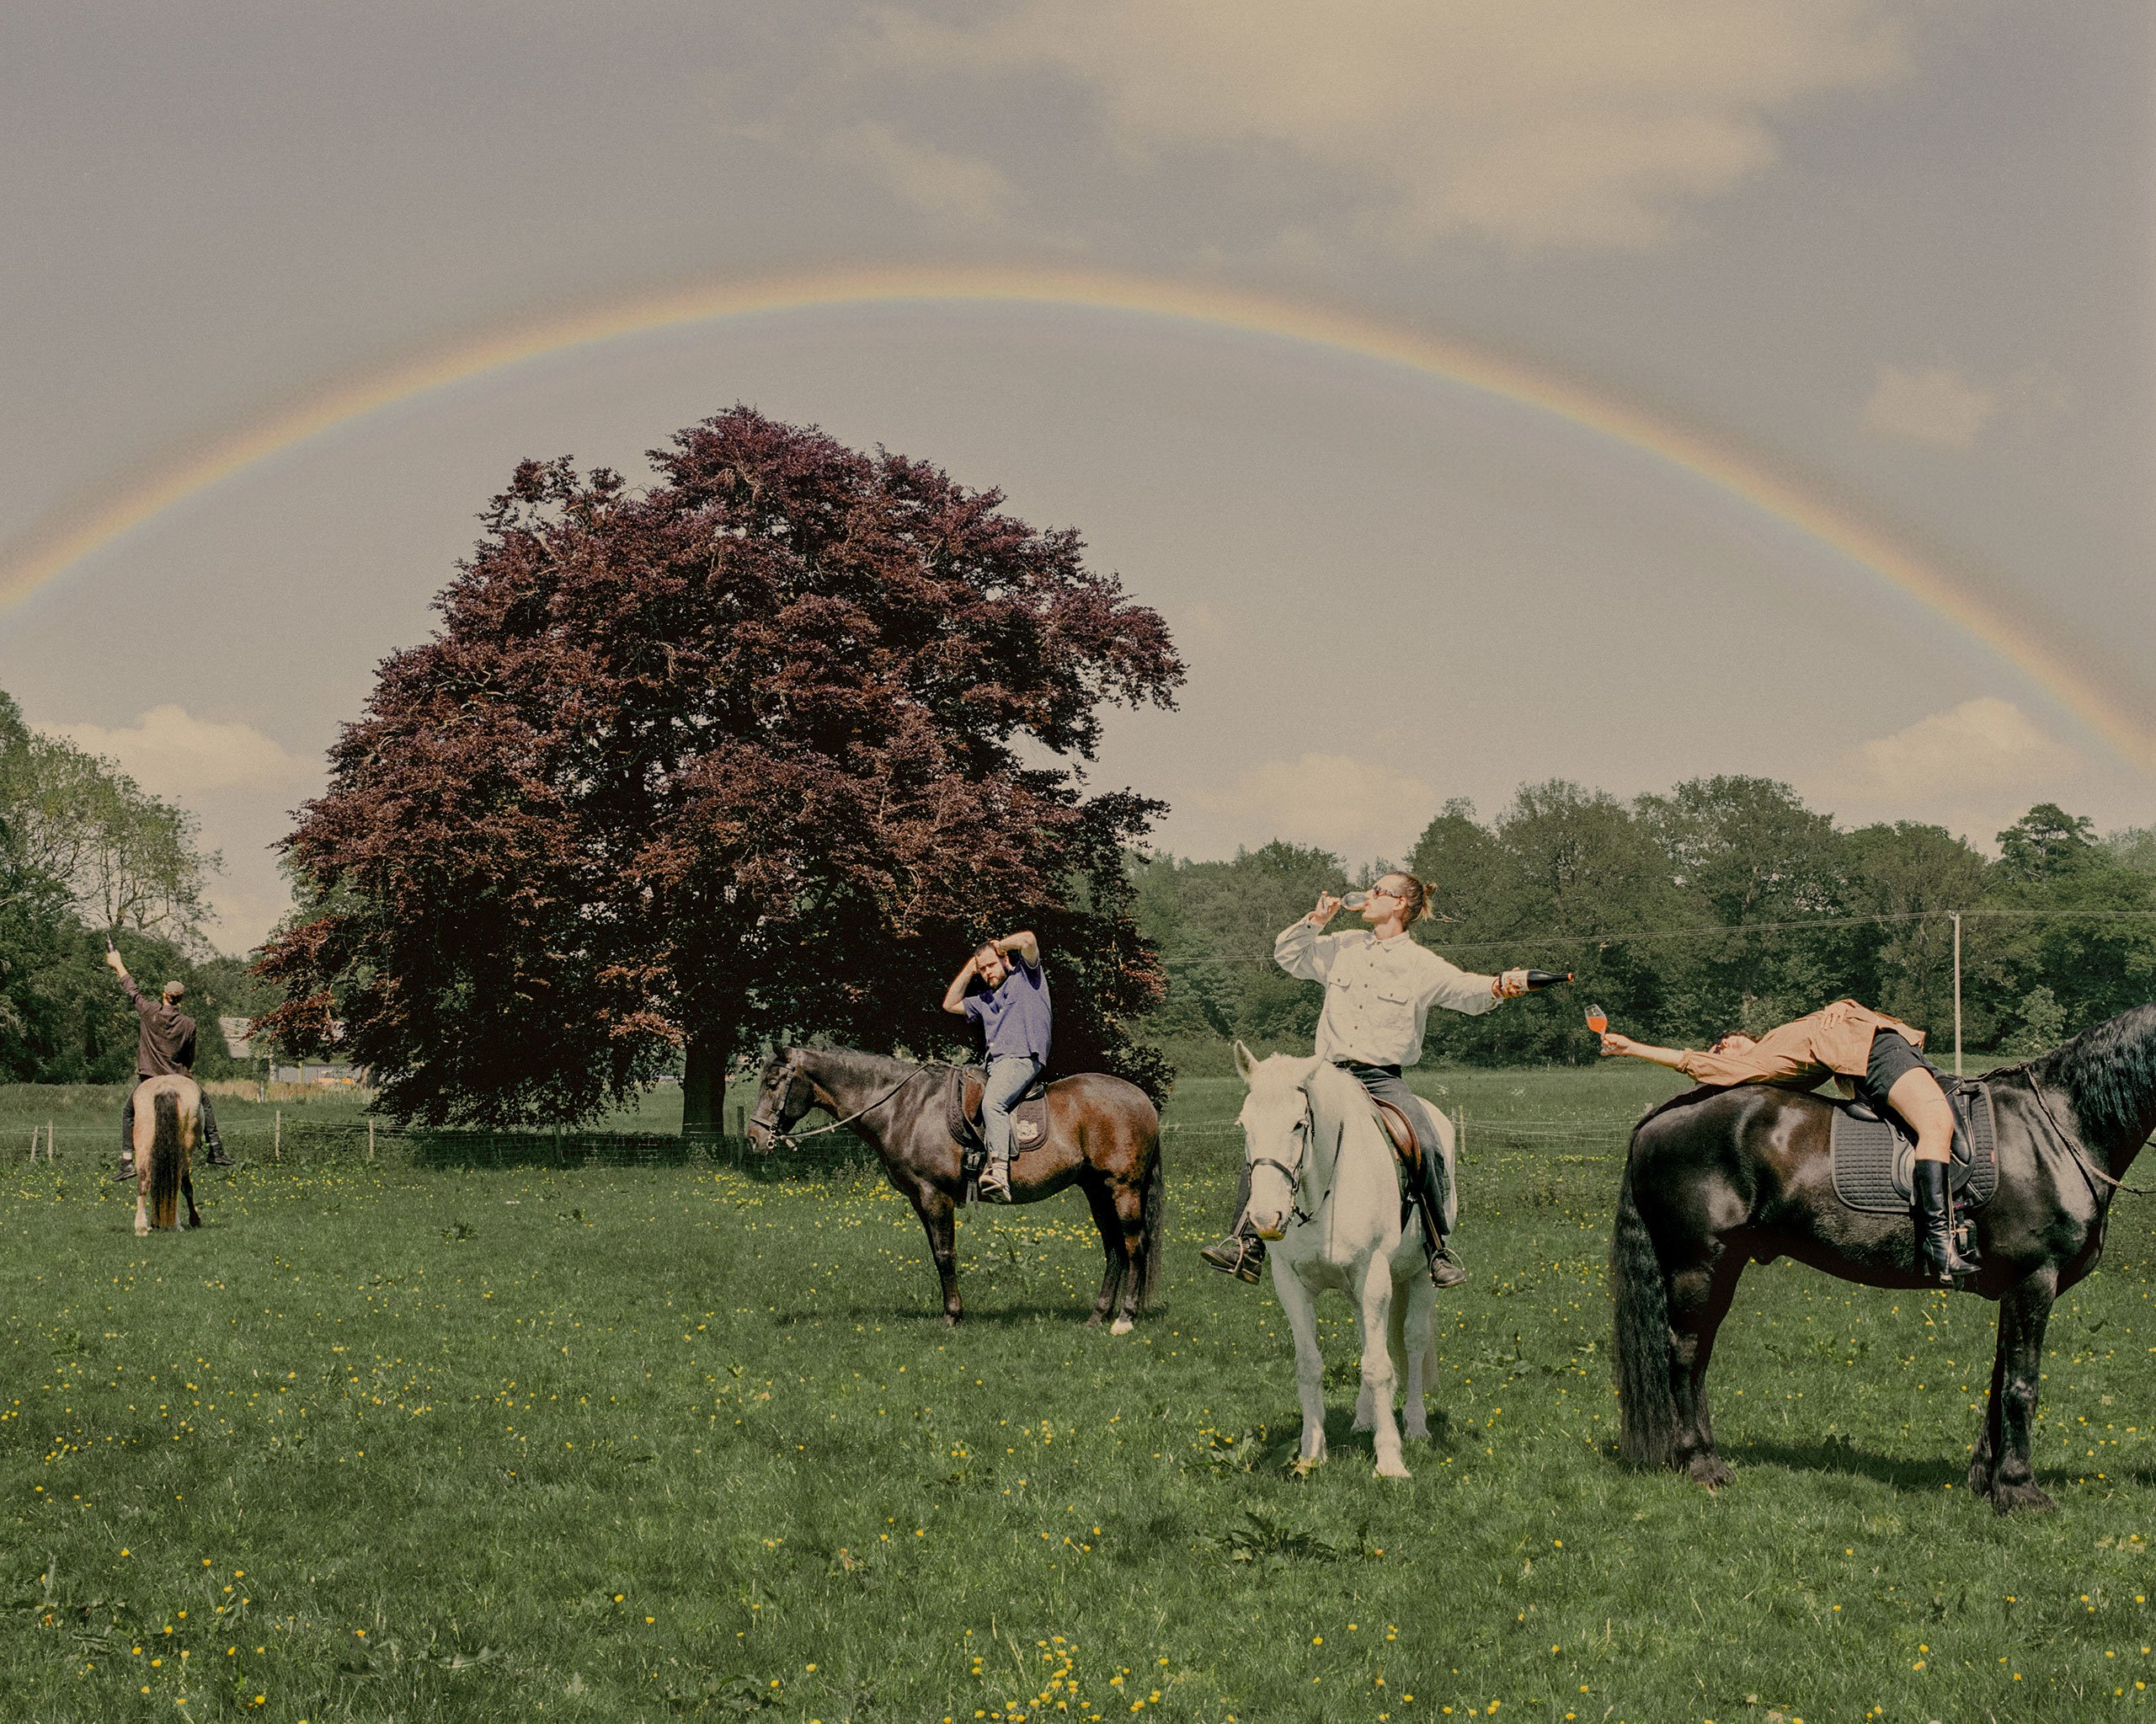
[[277, 1136], [369, 1137], [48, 1143]]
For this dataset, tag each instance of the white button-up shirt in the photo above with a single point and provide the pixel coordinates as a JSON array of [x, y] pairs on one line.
[[1377, 993]]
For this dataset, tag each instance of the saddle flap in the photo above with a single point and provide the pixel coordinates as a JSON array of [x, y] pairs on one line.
[[1873, 1156], [1401, 1129]]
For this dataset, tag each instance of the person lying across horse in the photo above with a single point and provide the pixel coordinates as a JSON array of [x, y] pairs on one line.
[[1010, 1003], [165, 1048], [1877, 1059], [1380, 985]]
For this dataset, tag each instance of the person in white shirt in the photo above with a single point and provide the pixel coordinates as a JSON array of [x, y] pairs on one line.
[[1379, 986]]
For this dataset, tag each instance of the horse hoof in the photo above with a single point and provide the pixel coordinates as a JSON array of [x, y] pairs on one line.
[[1979, 1480], [951, 1320], [1121, 1326], [1416, 1430], [1394, 1470], [1710, 1471], [2020, 1499], [1306, 1464]]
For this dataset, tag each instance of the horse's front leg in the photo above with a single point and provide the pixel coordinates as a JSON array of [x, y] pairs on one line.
[[1300, 1305], [1985, 1460], [1418, 1300], [937, 1214], [1376, 1298], [2023, 1314]]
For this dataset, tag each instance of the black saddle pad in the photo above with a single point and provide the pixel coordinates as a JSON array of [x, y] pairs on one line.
[[962, 1095], [1873, 1153]]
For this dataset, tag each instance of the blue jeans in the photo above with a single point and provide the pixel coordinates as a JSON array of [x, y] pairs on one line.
[[1009, 1076]]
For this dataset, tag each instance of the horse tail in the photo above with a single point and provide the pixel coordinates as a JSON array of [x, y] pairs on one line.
[[164, 1161], [1647, 1404], [1152, 1217]]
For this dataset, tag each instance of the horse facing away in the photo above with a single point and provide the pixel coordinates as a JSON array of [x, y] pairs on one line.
[[167, 1117], [1326, 1184], [1103, 1136], [1717, 1178]]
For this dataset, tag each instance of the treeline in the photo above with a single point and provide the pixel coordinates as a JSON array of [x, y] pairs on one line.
[[1726, 903], [84, 852]]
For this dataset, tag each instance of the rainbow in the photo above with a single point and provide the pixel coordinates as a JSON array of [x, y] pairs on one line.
[[50, 552]]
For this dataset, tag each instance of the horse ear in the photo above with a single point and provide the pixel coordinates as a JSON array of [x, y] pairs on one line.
[[1245, 1062]]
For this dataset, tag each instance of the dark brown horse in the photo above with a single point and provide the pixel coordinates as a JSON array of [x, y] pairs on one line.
[[1103, 1136], [1718, 1178]]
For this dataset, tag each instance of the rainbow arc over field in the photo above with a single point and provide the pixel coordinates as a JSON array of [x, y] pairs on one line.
[[49, 552]]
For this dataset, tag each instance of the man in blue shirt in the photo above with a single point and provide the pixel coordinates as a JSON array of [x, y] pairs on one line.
[[1011, 1007]]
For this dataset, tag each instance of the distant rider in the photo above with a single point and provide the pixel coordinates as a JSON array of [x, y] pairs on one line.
[[165, 1049], [1875, 1058], [1011, 1004], [1379, 987]]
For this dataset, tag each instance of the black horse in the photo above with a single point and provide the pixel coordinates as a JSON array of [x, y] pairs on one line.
[[1718, 1178], [1103, 1136]]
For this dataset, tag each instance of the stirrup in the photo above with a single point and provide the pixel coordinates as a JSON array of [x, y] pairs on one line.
[[1445, 1270], [1238, 1255], [994, 1185]]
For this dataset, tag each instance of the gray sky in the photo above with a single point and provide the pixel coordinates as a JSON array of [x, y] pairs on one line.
[[1898, 253]]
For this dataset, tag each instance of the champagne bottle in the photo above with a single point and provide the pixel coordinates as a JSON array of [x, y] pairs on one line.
[[1353, 901], [1538, 978]]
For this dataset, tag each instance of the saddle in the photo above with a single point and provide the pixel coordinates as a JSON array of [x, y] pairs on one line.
[[1873, 1153], [961, 1094]]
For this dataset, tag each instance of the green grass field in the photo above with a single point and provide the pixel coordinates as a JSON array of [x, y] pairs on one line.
[[388, 1441]]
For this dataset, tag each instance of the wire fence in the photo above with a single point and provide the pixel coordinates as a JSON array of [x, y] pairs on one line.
[[300, 1142]]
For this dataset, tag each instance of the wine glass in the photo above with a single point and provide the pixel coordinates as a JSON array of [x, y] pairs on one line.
[[1598, 1020]]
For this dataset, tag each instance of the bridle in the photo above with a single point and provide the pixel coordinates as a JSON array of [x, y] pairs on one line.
[[2083, 1158], [1305, 1130]]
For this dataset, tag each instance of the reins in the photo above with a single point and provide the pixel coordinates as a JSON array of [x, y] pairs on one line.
[[1294, 1175]]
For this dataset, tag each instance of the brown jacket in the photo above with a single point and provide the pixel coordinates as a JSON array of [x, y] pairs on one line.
[[1835, 1039], [167, 1049]]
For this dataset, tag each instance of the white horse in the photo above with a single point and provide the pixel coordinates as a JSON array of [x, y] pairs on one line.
[[1325, 1185]]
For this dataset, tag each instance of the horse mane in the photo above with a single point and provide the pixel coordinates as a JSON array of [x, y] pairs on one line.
[[2109, 1071], [852, 1063]]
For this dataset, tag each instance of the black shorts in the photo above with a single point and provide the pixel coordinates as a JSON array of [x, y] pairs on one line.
[[1893, 1056]]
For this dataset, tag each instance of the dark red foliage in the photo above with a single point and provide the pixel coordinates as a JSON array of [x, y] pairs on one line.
[[733, 757]]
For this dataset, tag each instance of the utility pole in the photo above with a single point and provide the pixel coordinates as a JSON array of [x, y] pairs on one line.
[[1956, 915]]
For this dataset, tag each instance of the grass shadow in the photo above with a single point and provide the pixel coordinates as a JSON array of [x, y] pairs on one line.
[[1837, 1455]]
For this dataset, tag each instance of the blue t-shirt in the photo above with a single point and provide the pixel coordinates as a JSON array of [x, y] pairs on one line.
[[1014, 1016]]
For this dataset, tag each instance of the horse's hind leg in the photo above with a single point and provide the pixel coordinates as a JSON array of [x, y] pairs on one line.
[[1700, 1296], [1123, 1236], [1117, 1266], [1418, 1300], [187, 1191]]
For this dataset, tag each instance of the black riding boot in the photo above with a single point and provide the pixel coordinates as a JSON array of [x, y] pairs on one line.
[[211, 1142], [127, 1139], [1242, 1252], [1444, 1268], [1937, 1259]]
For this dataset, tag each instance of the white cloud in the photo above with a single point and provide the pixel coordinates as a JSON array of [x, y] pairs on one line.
[[1536, 123], [1970, 761], [959, 188], [1359, 810], [1937, 406], [169, 752]]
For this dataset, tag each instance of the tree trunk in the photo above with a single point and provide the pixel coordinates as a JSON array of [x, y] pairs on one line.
[[703, 1082]]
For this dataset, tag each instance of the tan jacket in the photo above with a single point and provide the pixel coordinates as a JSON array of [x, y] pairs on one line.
[[1801, 1054]]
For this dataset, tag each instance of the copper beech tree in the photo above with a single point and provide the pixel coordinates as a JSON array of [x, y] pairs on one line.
[[755, 752]]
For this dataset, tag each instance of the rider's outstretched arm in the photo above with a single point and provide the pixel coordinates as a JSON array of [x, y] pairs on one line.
[[1673, 1058]]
